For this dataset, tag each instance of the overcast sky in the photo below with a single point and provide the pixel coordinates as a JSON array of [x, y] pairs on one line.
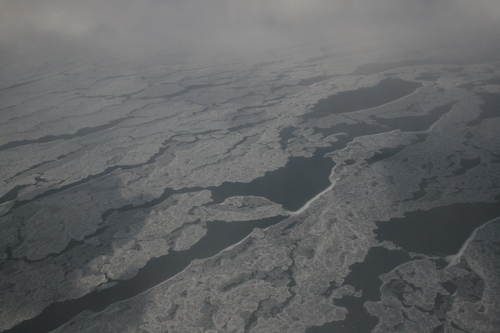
[[155, 26]]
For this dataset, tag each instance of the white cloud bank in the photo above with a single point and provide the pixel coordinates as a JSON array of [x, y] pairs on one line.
[[153, 26]]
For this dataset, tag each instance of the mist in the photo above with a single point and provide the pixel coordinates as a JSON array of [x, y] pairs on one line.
[[134, 29]]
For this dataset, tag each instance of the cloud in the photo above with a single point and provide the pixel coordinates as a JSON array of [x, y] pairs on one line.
[[24, 17], [153, 26]]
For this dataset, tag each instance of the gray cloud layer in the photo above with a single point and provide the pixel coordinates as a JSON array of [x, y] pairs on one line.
[[154, 26]]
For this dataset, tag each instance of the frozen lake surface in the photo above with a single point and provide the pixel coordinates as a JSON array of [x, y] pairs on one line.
[[303, 191]]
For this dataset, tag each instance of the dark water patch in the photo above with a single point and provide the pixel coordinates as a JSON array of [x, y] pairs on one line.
[[438, 329], [12, 194], [439, 301], [291, 186], [400, 288], [492, 81], [357, 319], [428, 77], [490, 108], [386, 153], [333, 285], [267, 308], [286, 134], [416, 123], [363, 276], [471, 85], [304, 82], [288, 227], [274, 89], [442, 303], [449, 286], [467, 86], [438, 231], [421, 191], [280, 76], [351, 130], [220, 235], [385, 91], [323, 57], [315, 79], [441, 263], [495, 158], [347, 132], [255, 107], [374, 68], [358, 129], [248, 123], [457, 327], [49, 138], [457, 60], [466, 164]]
